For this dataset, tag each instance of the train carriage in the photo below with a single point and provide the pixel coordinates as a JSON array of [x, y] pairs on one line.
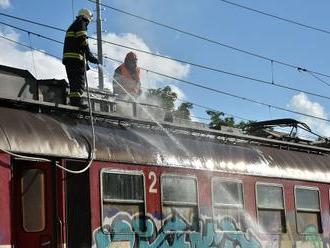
[[153, 185]]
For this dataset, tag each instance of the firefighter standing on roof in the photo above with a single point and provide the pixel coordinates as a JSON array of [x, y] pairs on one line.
[[76, 53], [128, 76]]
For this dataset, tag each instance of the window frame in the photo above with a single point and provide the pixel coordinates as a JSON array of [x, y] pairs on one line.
[[181, 203], [284, 207], [314, 188], [43, 198], [242, 230], [118, 201]]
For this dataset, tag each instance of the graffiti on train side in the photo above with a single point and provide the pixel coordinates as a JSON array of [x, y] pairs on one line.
[[175, 233], [314, 240]]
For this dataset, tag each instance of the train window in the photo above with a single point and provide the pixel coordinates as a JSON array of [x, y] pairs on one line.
[[271, 211], [123, 193], [180, 199], [33, 200], [228, 202], [308, 210]]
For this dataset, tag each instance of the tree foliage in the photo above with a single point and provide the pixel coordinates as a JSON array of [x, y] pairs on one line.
[[167, 99], [218, 119], [243, 124], [183, 111], [165, 95]]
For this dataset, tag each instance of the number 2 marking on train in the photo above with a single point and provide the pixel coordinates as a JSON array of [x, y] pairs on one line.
[[152, 176]]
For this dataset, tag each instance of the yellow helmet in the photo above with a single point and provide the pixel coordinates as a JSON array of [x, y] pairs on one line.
[[86, 13]]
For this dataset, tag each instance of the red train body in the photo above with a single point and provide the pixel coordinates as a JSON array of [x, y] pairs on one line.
[[186, 187]]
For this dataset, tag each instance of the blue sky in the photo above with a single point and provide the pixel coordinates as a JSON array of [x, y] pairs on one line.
[[210, 18]]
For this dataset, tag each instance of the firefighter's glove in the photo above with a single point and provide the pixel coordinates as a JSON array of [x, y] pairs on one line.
[[94, 60]]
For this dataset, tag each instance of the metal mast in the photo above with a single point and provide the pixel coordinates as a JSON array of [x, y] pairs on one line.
[[99, 43]]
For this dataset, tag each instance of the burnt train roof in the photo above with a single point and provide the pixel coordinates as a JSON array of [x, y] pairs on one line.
[[67, 134]]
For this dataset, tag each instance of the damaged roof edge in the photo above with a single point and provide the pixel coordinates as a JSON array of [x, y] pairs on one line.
[[67, 137]]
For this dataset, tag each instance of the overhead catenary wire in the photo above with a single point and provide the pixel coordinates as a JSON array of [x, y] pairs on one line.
[[318, 78], [203, 107], [32, 22], [186, 101], [29, 47], [222, 92], [92, 156], [178, 30], [44, 52], [223, 71], [277, 17], [204, 38], [212, 109], [270, 83], [200, 85], [30, 32]]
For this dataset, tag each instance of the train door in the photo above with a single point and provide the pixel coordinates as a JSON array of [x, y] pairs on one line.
[[33, 205]]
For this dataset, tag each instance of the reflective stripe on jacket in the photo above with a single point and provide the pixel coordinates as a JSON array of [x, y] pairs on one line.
[[76, 34], [75, 94], [75, 43], [73, 56]]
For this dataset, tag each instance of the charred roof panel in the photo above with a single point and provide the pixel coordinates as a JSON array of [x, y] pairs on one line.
[[16, 83], [68, 137], [39, 134]]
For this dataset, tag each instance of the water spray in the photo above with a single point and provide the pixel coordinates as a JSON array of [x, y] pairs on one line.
[[146, 112]]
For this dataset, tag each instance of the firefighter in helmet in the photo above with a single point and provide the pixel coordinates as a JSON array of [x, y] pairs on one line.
[[76, 53], [128, 76]]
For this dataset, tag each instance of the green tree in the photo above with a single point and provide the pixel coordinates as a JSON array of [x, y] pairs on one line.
[[243, 124], [183, 111], [216, 119], [165, 95], [229, 121], [167, 99]]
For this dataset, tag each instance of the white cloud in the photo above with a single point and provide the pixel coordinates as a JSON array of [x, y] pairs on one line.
[[303, 104], [44, 66], [161, 65], [4, 3]]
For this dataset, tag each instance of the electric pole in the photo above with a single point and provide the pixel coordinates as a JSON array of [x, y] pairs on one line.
[[99, 43]]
